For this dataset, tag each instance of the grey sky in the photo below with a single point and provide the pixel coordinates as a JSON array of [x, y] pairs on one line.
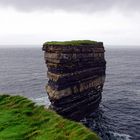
[[70, 5], [115, 22]]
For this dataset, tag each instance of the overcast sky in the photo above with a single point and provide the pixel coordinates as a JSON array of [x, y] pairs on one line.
[[115, 22]]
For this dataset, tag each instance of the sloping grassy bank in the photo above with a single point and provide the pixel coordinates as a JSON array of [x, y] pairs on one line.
[[21, 119]]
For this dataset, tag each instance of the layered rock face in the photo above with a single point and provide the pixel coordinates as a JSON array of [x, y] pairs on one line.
[[76, 72]]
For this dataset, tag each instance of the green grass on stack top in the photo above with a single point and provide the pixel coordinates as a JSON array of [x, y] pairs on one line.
[[21, 119], [72, 43]]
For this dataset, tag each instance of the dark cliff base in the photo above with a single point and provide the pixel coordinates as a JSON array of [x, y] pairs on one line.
[[21, 119], [78, 106]]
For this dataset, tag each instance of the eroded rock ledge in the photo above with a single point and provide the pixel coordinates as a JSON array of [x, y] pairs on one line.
[[76, 72]]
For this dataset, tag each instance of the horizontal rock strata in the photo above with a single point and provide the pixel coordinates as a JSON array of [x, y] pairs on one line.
[[76, 76]]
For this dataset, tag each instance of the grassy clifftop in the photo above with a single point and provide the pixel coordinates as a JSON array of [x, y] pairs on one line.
[[71, 43], [21, 119]]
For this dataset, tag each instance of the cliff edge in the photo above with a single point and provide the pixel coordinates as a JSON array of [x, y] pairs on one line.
[[21, 119]]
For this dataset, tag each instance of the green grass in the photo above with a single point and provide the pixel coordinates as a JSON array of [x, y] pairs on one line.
[[71, 43], [21, 119]]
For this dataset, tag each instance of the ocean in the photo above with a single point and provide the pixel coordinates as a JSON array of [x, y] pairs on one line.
[[23, 72]]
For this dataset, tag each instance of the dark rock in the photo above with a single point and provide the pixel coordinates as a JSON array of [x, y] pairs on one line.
[[76, 77]]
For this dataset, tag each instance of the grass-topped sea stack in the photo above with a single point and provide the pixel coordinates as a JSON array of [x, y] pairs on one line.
[[76, 72]]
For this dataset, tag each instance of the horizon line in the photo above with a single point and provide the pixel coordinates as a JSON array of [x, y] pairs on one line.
[[26, 46]]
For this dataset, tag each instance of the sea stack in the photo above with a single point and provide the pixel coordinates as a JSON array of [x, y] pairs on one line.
[[76, 72]]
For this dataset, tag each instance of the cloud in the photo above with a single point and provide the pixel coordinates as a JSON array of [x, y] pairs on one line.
[[72, 5]]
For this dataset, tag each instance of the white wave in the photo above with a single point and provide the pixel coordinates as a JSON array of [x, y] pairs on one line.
[[42, 101], [120, 136]]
